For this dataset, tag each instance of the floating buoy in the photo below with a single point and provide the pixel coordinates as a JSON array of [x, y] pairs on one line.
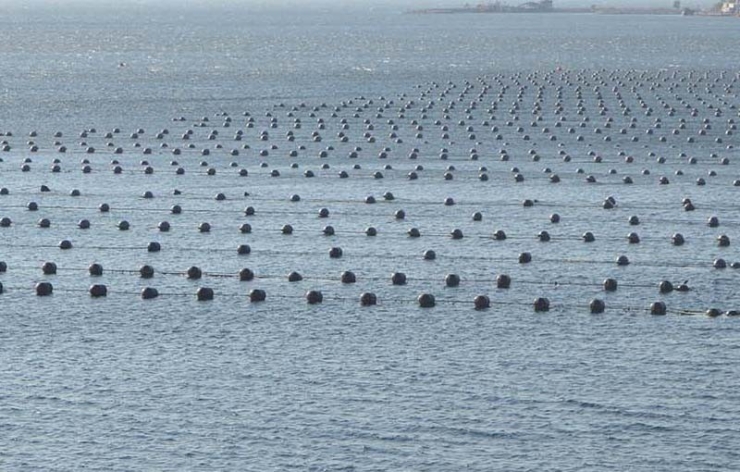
[[482, 302], [95, 270], [503, 281], [368, 299], [335, 252], [314, 297], [194, 273], [257, 295], [154, 247], [597, 306], [398, 278], [49, 268], [246, 275], [452, 280], [294, 277], [348, 277], [149, 293], [610, 285], [658, 308], [426, 300], [525, 258], [146, 272], [204, 294], [622, 260], [44, 289], [243, 249], [665, 287], [541, 305], [98, 291], [65, 244]]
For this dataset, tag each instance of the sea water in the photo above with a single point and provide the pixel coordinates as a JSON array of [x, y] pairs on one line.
[[121, 383]]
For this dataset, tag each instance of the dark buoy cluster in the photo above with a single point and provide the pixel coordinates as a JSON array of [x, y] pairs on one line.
[[552, 158]]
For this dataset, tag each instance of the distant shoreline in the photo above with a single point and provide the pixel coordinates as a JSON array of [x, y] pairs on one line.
[[598, 11]]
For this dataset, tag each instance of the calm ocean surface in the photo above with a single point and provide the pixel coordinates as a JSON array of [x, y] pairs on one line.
[[121, 384]]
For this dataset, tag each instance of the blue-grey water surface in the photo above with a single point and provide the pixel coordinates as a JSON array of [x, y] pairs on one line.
[[121, 383]]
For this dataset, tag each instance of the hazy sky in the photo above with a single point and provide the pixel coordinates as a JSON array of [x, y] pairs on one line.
[[275, 4]]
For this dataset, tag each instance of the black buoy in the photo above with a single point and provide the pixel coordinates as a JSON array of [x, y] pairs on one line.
[[597, 306], [452, 280], [541, 305], [503, 281], [194, 273], [314, 297], [246, 275], [146, 272], [149, 293], [525, 258], [154, 247], [294, 277], [610, 285], [257, 295], [335, 252], [398, 278], [719, 263], [95, 270], [482, 302], [204, 294], [44, 289], [49, 268], [713, 312], [665, 287], [348, 277], [65, 244], [658, 308], [98, 291], [368, 299], [243, 249], [426, 300], [429, 255]]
